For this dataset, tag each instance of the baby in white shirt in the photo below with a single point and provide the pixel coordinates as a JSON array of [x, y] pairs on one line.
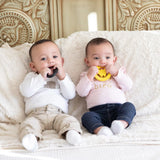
[[46, 99]]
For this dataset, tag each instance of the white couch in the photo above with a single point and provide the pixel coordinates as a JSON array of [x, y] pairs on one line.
[[139, 51]]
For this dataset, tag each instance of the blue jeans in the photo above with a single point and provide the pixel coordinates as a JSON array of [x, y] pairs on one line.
[[103, 115]]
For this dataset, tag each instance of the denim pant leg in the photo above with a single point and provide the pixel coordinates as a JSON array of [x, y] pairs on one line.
[[91, 121], [126, 112]]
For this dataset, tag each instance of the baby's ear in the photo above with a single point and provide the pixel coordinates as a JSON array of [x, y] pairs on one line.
[[62, 61], [86, 61], [115, 59], [32, 66]]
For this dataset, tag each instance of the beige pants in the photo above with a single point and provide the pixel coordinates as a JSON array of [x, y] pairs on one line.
[[47, 118]]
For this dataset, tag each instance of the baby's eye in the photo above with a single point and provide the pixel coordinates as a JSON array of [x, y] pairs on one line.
[[55, 56], [95, 58], [43, 59], [107, 57]]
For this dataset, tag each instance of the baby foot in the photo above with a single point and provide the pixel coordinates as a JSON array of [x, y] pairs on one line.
[[105, 131], [117, 126], [30, 143], [73, 137]]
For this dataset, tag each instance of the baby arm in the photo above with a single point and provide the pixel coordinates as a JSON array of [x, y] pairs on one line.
[[31, 84], [67, 87], [61, 72], [113, 69], [92, 71], [84, 86], [123, 80]]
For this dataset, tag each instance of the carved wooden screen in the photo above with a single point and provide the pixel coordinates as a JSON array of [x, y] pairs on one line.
[[135, 15], [23, 21]]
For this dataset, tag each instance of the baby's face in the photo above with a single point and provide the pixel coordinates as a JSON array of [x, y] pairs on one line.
[[100, 55], [45, 55]]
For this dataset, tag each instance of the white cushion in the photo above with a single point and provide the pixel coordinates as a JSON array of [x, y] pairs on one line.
[[13, 67]]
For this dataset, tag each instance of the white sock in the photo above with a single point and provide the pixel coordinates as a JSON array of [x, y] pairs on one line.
[[117, 126], [105, 131], [73, 137], [30, 143]]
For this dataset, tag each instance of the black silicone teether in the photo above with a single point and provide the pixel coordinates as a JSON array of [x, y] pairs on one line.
[[54, 73]]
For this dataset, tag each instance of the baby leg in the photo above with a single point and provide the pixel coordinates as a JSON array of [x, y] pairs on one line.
[[69, 127], [92, 121], [30, 129], [125, 115]]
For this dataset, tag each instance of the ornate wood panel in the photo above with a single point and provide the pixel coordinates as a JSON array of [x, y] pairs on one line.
[[23, 21], [136, 15]]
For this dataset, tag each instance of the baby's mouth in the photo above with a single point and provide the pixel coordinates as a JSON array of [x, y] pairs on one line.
[[54, 72], [51, 67]]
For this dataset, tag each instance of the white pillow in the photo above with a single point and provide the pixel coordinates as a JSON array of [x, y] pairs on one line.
[[13, 67]]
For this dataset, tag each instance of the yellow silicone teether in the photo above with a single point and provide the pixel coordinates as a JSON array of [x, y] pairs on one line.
[[102, 75]]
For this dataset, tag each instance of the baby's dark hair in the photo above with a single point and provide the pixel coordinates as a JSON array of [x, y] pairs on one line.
[[37, 43], [97, 41]]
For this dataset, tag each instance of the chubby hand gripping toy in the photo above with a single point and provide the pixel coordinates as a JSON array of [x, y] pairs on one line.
[[54, 73], [102, 75]]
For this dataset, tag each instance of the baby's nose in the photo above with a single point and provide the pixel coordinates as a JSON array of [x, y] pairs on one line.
[[50, 60], [103, 61]]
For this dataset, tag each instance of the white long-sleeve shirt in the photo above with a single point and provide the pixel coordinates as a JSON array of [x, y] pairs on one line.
[[39, 92], [102, 92]]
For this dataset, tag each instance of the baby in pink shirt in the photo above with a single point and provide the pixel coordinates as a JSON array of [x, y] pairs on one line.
[[109, 113]]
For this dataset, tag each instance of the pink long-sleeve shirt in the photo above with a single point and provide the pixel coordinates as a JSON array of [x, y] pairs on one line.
[[102, 92]]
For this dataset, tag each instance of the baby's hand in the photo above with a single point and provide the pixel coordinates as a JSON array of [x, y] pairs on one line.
[[44, 72], [112, 69], [61, 72], [92, 71]]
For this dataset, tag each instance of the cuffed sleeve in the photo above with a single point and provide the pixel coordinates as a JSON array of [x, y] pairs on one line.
[[84, 85], [67, 87], [123, 80]]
